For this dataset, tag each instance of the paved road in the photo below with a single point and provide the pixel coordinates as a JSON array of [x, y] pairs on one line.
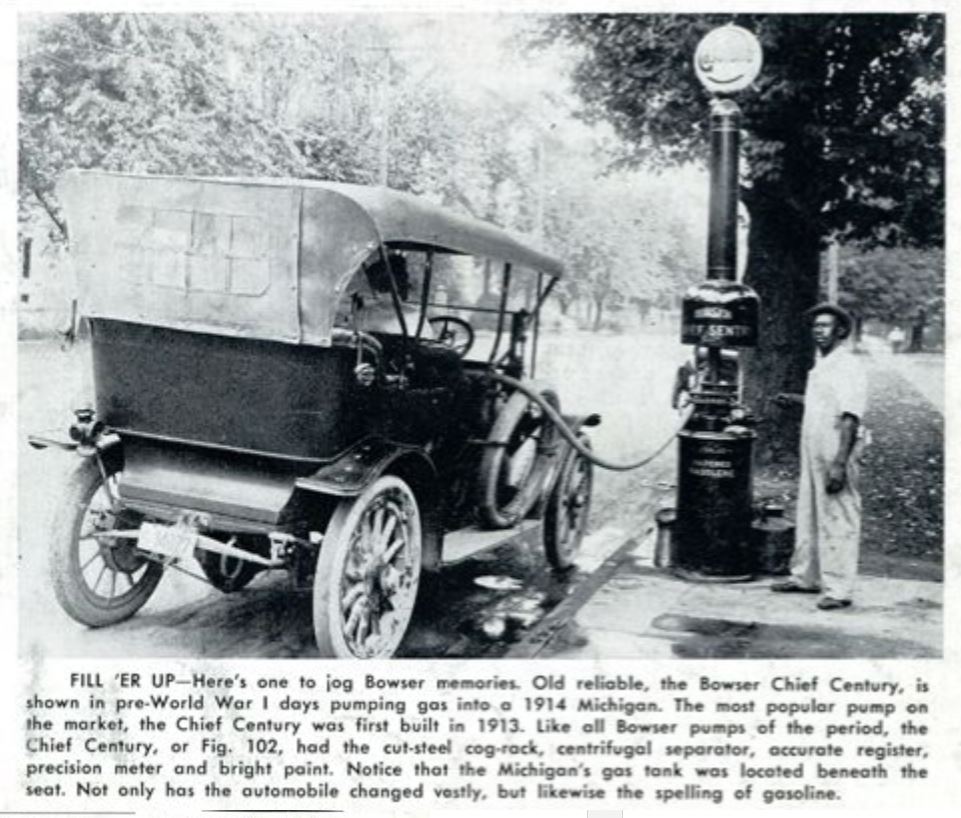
[[478, 608]]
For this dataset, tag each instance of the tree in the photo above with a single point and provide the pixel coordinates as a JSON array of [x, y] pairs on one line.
[[190, 94], [903, 285], [844, 137], [135, 93], [606, 228]]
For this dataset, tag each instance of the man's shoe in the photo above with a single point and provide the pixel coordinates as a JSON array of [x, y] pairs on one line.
[[792, 586], [829, 603]]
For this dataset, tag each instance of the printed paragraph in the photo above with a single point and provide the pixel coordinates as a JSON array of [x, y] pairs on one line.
[[332, 738]]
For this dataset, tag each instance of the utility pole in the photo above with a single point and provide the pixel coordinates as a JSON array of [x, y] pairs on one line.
[[383, 106], [385, 121], [539, 214], [833, 264]]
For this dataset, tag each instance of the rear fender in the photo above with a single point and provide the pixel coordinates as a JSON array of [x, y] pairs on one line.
[[364, 462]]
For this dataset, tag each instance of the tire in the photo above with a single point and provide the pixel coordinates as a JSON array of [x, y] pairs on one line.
[[229, 574], [568, 508], [81, 567], [368, 573], [500, 504]]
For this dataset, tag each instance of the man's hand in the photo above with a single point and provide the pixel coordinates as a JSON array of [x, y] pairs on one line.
[[836, 477], [837, 470]]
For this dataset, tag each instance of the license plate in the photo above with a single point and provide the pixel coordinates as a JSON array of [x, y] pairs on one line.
[[175, 541]]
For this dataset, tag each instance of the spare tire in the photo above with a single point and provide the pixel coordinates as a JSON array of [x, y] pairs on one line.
[[518, 457]]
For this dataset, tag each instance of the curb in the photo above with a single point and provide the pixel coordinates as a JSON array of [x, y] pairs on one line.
[[543, 633]]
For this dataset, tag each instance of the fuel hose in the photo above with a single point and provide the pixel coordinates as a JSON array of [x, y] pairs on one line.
[[571, 437]]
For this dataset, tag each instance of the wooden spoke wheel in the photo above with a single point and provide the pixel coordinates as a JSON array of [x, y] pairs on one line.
[[368, 572], [568, 507], [98, 579]]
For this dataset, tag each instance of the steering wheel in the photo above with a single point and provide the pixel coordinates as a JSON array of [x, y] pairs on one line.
[[452, 332]]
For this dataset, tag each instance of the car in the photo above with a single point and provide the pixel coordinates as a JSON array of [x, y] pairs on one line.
[[286, 376]]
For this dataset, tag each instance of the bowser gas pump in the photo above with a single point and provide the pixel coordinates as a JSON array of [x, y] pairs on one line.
[[719, 317]]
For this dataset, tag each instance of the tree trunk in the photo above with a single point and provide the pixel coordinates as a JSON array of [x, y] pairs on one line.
[[917, 338], [643, 310], [783, 266], [598, 313], [917, 331]]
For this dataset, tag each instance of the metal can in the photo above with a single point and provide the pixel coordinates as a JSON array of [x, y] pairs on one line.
[[664, 545], [773, 545]]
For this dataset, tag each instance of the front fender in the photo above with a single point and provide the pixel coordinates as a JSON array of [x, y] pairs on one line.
[[364, 462], [359, 466]]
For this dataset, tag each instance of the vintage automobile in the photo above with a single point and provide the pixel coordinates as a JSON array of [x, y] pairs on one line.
[[282, 380]]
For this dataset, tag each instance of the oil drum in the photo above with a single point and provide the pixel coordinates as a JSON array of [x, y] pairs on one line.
[[713, 527]]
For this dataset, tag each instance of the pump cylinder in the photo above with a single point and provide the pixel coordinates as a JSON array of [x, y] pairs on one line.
[[722, 224]]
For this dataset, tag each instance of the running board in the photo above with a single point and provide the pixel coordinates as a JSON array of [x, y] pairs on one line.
[[466, 542]]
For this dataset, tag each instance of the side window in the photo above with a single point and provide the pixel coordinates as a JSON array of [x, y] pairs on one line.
[[194, 251], [370, 288]]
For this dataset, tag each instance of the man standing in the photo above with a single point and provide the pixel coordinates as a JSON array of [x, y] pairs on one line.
[[896, 339], [829, 503]]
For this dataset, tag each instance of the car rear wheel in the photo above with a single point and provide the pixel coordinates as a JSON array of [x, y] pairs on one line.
[[98, 579], [368, 572], [565, 519]]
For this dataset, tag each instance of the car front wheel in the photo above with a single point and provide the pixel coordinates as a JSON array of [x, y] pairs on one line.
[[368, 572], [568, 507]]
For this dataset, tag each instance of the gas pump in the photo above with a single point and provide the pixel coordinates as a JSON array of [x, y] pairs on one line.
[[719, 317]]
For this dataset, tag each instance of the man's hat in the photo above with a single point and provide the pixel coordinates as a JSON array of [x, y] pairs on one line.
[[845, 321]]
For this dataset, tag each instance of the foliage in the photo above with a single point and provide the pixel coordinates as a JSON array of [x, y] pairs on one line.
[[891, 284], [844, 137], [846, 119], [143, 93], [332, 97], [630, 242]]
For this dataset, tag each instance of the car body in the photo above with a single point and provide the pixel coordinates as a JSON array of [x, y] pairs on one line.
[[273, 392]]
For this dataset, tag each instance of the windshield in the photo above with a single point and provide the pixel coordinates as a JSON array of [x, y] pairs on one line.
[[463, 287]]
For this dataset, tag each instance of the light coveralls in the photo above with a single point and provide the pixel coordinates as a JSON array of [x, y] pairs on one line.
[[828, 532]]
